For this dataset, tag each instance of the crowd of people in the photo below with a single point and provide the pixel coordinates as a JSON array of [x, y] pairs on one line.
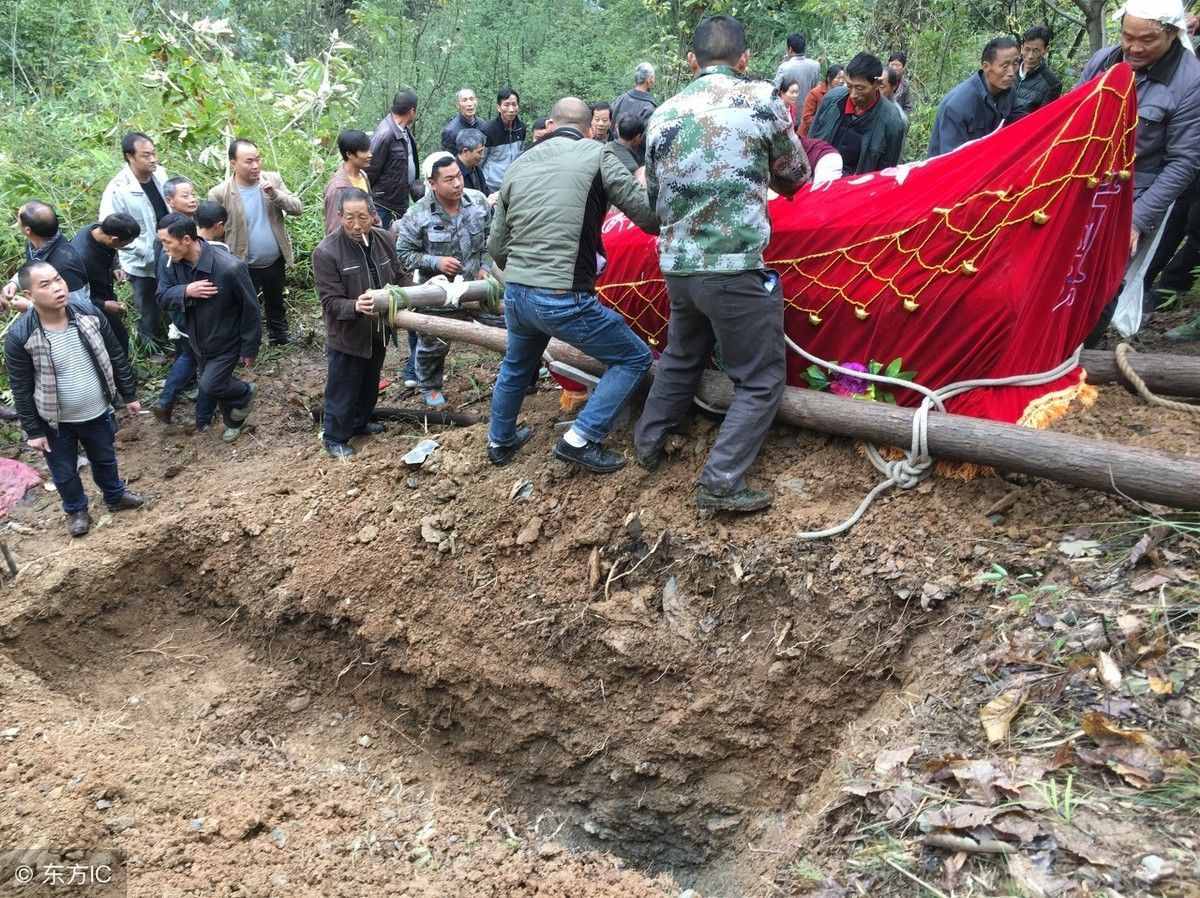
[[207, 276]]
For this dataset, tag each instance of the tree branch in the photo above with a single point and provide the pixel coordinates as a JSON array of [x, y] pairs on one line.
[[1050, 4]]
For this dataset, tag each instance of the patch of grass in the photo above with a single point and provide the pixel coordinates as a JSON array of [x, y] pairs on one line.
[[1060, 799], [1018, 588], [802, 870], [1179, 794]]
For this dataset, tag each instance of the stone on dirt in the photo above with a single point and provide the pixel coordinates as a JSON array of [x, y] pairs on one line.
[[530, 532]]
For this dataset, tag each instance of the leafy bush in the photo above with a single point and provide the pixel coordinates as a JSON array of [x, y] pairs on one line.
[[182, 82]]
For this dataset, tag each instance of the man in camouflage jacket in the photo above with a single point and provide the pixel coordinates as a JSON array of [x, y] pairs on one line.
[[444, 232], [712, 150]]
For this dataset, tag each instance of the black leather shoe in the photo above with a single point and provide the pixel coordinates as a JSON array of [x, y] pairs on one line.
[[338, 450], [502, 455], [79, 523], [162, 413], [591, 457], [370, 429], [744, 500], [127, 501]]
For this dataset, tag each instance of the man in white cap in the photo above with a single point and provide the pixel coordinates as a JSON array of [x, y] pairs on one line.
[[1155, 43]]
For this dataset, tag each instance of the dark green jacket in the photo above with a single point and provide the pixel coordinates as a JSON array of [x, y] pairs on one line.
[[546, 223], [882, 140]]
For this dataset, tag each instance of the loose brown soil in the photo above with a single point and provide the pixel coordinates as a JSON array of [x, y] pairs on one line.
[[288, 676]]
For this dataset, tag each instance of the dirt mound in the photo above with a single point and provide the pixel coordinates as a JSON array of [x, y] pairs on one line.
[[455, 678]]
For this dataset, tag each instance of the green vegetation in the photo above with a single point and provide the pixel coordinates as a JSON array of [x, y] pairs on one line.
[[290, 75]]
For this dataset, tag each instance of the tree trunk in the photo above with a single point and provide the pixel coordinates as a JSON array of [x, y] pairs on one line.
[[1171, 375], [1147, 475], [1093, 11]]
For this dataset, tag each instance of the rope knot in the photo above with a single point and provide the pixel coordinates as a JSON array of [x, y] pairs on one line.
[[907, 473]]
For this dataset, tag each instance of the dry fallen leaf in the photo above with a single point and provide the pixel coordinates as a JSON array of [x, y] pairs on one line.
[[1081, 844], [998, 714], [977, 779], [1150, 581], [1138, 551], [1141, 766], [1110, 674], [1160, 686], [1105, 729], [1032, 881], [1017, 825], [952, 867], [888, 761], [959, 816]]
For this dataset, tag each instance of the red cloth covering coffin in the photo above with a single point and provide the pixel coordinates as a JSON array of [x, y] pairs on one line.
[[991, 261]]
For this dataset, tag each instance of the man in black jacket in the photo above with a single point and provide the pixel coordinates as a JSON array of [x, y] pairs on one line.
[[392, 171], [863, 126], [46, 243], [466, 117], [1036, 85], [97, 245], [637, 101], [65, 368], [470, 151], [220, 309], [352, 260]]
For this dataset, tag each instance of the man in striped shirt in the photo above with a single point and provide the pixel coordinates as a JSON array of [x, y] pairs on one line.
[[66, 368]]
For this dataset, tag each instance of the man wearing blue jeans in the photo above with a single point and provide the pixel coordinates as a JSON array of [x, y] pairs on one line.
[[546, 237], [66, 367]]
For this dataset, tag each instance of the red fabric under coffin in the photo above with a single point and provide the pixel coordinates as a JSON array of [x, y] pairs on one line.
[[1005, 250]]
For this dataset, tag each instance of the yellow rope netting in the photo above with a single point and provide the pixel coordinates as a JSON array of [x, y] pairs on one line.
[[863, 282]]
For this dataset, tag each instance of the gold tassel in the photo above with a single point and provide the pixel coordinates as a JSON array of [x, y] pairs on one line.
[[861, 313], [911, 305], [814, 319]]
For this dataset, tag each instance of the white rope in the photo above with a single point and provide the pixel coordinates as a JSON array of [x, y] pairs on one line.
[[454, 289], [917, 464]]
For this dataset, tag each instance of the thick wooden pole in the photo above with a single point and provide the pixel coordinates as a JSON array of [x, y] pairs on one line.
[[1147, 475], [1170, 375], [430, 296]]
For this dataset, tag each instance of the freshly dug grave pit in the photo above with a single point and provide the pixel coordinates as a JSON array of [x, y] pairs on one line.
[[584, 654], [659, 734]]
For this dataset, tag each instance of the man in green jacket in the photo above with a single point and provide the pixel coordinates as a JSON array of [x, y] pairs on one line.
[[862, 125], [546, 237]]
